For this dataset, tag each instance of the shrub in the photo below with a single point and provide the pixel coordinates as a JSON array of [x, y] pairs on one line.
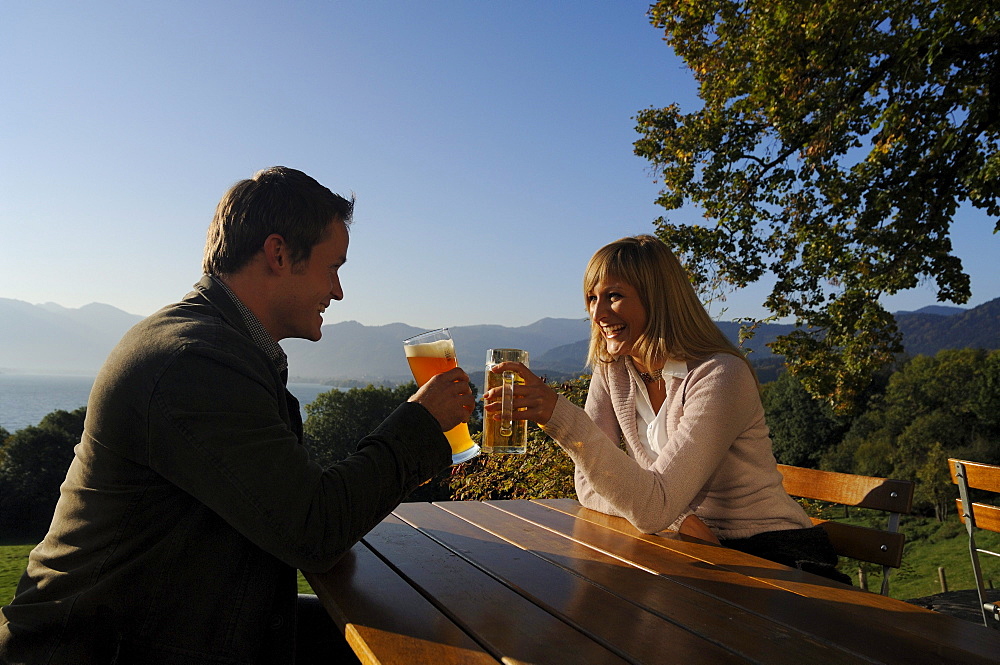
[[543, 472]]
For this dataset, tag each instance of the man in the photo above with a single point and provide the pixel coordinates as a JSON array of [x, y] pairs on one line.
[[191, 501]]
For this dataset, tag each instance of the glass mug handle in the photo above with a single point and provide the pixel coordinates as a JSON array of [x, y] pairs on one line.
[[507, 405]]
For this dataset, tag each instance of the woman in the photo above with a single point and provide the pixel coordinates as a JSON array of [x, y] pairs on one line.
[[685, 404]]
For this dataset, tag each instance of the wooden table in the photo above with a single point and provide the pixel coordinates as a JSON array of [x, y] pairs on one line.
[[552, 582]]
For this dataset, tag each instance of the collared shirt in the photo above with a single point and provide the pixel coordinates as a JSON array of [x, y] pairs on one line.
[[652, 430], [258, 332]]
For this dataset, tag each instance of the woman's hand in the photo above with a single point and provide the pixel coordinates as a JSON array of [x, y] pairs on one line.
[[533, 400]]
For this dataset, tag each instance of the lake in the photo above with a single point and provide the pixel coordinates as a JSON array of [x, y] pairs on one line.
[[27, 398]]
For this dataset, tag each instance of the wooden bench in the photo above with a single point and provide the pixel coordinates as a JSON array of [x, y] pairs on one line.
[[968, 476], [882, 547]]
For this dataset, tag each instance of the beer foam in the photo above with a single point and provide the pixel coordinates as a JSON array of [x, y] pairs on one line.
[[443, 348]]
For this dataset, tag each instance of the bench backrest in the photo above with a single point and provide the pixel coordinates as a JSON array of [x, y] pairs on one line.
[[968, 476], [882, 547]]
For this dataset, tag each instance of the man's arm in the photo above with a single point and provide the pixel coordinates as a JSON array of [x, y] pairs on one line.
[[216, 432]]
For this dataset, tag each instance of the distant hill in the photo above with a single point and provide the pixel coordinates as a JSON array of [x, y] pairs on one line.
[[350, 350], [51, 338], [927, 332], [939, 310]]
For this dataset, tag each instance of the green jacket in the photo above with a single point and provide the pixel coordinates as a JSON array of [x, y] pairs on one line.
[[191, 501]]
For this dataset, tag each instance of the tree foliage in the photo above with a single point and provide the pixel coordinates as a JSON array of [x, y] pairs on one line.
[[33, 463], [835, 142], [932, 409], [338, 419], [802, 427]]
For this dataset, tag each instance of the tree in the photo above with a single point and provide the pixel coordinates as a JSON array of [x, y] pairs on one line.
[[986, 401], [338, 419], [834, 145], [931, 410], [33, 463], [69, 422], [934, 484], [802, 427]]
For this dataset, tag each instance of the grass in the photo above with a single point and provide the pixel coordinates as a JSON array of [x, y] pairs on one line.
[[13, 558], [929, 545], [304, 586]]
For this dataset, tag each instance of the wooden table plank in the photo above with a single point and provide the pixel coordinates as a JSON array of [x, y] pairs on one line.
[[827, 611], [627, 629], [772, 573], [751, 636], [506, 624], [798, 582], [385, 620]]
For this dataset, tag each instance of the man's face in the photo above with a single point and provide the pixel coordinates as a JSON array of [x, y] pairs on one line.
[[312, 284]]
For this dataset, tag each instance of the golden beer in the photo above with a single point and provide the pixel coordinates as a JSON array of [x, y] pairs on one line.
[[505, 435], [431, 354], [426, 367]]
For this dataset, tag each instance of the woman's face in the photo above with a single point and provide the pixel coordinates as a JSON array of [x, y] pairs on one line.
[[615, 308]]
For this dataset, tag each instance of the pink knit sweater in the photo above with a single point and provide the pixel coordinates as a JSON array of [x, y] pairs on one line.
[[716, 462]]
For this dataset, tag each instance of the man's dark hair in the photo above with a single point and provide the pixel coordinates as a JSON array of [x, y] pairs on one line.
[[276, 200]]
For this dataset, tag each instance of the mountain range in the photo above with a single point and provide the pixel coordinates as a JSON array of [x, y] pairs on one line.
[[49, 338]]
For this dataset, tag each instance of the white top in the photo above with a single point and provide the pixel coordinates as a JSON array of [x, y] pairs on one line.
[[651, 429]]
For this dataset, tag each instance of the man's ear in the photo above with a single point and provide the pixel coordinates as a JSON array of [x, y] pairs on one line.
[[276, 253]]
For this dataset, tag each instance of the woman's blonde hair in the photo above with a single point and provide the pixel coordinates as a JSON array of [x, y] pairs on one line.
[[677, 325]]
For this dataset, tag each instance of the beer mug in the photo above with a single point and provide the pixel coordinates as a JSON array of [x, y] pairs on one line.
[[505, 435], [429, 354]]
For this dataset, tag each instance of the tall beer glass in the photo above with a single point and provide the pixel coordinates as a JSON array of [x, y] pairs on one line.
[[505, 435], [428, 355]]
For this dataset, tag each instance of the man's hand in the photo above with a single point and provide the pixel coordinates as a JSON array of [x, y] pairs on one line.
[[448, 397]]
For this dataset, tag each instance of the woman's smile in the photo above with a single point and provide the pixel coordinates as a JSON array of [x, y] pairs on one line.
[[616, 308]]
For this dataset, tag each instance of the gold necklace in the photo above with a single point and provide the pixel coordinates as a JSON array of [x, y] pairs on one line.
[[650, 377]]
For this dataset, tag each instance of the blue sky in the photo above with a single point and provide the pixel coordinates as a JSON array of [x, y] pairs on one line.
[[489, 145]]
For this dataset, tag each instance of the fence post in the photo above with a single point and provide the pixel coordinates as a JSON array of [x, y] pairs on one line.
[[943, 579], [862, 578]]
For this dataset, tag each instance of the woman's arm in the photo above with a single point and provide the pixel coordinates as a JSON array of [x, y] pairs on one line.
[[712, 408]]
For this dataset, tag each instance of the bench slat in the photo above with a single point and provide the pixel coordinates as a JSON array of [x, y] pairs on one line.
[[980, 476], [987, 517], [895, 496], [858, 542]]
